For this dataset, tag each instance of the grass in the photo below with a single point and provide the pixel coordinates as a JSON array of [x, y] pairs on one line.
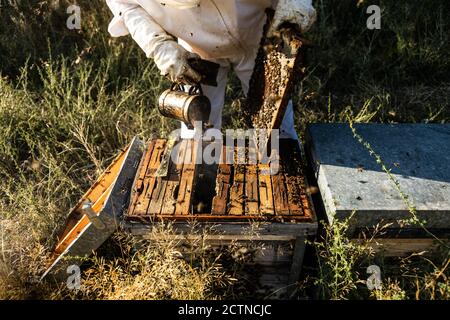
[[70, 99], [162, 269], [342, 271]]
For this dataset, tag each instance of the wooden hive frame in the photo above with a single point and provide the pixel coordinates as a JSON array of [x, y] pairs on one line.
[[279, 65], [164, 196]]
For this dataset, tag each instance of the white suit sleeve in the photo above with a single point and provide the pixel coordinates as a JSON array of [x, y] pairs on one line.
[[131, 18], [275, 2]]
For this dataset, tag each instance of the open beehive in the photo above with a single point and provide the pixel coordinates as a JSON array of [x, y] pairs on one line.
[[225, 192]]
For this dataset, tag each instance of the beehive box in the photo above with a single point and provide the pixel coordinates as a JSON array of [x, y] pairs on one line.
[[240, 192], [243, 203]]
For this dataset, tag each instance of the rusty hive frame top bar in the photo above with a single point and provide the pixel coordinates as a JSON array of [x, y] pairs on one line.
[[304, 212]]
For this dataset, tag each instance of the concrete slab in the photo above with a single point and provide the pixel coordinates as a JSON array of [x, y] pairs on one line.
[[350, 179]]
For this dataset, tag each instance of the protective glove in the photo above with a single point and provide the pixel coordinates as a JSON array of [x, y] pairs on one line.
[[173, 62], [299, 12]]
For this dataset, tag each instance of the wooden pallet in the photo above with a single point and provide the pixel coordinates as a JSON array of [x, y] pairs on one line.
[[243, 191]]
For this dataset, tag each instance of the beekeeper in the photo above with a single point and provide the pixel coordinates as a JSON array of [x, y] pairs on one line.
[[227, 32]]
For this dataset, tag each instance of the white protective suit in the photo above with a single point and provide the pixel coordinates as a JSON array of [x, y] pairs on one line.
[[227, 32]]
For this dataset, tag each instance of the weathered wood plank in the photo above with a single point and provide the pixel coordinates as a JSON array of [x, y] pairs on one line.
[[223, 185], [157, 198], [208, 217], [237, 192], [297, 263], [401, 247], [174, 178], [226, 231], [151, 203], [280, 196], [188, 176], [266, 205], [251, 190], [140, 185], [150, 181]]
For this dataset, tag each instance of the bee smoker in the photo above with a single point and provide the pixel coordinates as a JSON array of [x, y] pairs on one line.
[[187, 106], [190, 105]]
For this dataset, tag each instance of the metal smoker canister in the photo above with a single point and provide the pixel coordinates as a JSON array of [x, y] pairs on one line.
[[187, 107]]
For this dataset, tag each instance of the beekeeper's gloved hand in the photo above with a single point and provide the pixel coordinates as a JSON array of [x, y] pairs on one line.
[[299, 12], [172, 60]]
